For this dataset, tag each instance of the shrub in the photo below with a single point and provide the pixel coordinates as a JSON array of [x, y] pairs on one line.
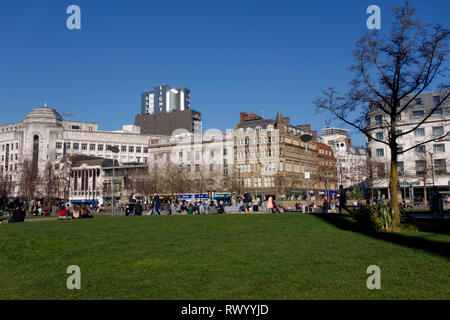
[[386, 215], [367, 218]]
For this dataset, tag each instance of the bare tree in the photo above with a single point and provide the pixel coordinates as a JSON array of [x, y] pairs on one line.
[[390, 73], [49, 183], [29, 179], [175, 179]]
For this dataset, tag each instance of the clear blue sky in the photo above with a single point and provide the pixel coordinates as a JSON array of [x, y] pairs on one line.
[[248, 55]]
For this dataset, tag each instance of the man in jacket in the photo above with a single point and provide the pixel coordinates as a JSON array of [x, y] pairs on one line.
[[156, 204]]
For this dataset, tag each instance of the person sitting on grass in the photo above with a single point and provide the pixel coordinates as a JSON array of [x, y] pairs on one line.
[[85, 212], [64, 213], [18, 214], [76, 212]]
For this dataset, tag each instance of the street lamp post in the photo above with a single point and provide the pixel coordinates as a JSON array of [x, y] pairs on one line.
[[114, 150], [306, 138]]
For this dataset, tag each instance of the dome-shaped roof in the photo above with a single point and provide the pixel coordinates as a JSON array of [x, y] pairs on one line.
[[43, 115]]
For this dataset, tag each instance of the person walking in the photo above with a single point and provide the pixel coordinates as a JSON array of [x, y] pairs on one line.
[[342, 199], [156, 204], [270, 204]]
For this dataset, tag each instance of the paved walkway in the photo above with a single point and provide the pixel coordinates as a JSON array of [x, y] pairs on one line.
[[428, 216]]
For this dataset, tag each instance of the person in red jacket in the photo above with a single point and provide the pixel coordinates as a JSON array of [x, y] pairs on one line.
[[64, 213]]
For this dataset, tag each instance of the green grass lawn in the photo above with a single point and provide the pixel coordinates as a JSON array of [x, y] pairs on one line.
[[284, 256]]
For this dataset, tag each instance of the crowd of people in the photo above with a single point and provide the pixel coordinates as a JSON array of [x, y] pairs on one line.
[[68, 212]]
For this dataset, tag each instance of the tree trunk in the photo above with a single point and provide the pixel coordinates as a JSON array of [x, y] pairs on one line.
[[393, 186]]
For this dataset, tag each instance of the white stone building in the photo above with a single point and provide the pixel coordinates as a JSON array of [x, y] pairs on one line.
[[425, 165], [44, 136], [350, 160]]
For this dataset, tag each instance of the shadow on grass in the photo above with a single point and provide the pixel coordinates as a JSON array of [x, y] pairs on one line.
[[345, 222]]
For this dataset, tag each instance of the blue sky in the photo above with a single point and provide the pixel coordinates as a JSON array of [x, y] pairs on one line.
[[253, 56]]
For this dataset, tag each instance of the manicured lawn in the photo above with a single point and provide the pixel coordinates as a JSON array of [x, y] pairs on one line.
[[284, 256]]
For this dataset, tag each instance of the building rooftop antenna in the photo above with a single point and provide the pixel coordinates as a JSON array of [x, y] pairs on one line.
[[68, 114]]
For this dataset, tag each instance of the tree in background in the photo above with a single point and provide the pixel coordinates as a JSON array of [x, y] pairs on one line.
[[29, 179], [390, 73], [49, 183]]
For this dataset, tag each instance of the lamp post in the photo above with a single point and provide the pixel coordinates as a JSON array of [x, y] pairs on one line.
[[113, 149], [305, 139], [432, 167]]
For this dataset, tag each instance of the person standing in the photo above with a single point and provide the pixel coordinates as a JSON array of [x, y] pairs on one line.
[[246, 201], [325, 205], [270, 204], [156, 204]]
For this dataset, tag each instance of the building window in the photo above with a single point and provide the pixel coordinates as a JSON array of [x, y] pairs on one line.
[[436, 99], [92, 147], [418, 101], [67, 145], [123, 148], [130, 149], [138, 149], [380, 152], [399, 149], [59, 145], [367, 121], [437, 148], [188, 168], [281, 166], [438, 112], [418, 114], [420, 167], [400, 166], [419, 132], [380, 170], [76, 146], [379, 135], [145, 150], [197, 168], [378, 119], [84, 146], [100, 147], [440, 166], [420, 149], [438, 131], [399, 117]]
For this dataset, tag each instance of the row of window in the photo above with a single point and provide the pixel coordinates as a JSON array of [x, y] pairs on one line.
[[258, 154], [257, 182], [264, 167], [12, 167], [99, 147], [247, 141], [11, 146], [419, 132], [437, 148], [417, 114], [11, 157]]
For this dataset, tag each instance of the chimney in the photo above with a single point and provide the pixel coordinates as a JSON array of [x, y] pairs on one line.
[[243, 117]]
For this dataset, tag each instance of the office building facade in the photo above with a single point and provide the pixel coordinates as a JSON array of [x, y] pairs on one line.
[[164, 99]]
